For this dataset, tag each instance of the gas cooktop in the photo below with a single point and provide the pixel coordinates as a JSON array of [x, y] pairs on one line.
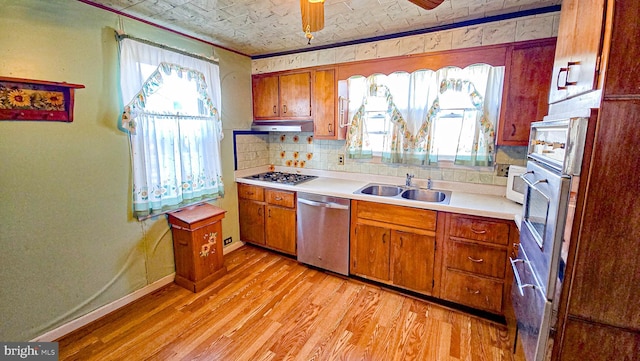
[[281, 177]]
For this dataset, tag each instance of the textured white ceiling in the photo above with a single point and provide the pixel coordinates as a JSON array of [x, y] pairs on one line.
[[257, 27]]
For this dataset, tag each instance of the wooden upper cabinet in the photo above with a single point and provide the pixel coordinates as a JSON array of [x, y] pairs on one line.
[[526, 90], [623, 66], [265, 96], [579, 49], [326, 106], [286, 96], [295, 95]]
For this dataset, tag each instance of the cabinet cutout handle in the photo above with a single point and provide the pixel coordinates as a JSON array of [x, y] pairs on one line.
[[475, 292], [569, 65], [558, 86], [479, 260], [478, 231]]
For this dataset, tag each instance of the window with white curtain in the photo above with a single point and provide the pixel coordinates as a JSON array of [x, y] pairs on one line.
[[426, 117], [172, 107]]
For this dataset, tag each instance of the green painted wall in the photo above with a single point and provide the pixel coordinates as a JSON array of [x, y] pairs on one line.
[[69, 243]]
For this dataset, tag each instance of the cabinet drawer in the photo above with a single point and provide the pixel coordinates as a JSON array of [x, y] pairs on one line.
[[404, 216], [281, 198], [247, 191], [479, 229], [476, 258], [473, 291]]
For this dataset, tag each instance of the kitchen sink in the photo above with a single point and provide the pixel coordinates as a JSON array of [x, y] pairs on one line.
[[400, 192], [383, 190], [425, 195]]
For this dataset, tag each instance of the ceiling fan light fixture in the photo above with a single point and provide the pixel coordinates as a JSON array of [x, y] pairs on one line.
[[312, 16]]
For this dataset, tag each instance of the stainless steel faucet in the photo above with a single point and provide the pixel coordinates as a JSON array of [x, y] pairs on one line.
[[429, 183], [407, 182]]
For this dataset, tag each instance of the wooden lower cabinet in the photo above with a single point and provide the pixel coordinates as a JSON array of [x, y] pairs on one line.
[[413, 260], [585, 340], [267, 217], [370, 252], [384, 249], [280, 229], [475, 268], [251, 215]]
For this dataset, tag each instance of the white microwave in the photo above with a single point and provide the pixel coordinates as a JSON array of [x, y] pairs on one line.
[[515, 185]]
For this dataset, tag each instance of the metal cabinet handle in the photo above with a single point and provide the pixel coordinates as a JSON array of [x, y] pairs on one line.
[[269, 213], [278, 198], [384, 238], [521, 286], [480, 260], [285, 108], [260, 211], [275, 109], [330, 128], [482, 231], [475, 292], [250, 193], [513, 130]]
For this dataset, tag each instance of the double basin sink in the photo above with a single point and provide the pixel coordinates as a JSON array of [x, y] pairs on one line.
[[413, 194]]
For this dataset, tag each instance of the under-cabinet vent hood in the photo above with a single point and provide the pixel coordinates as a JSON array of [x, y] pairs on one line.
[[282, 125]]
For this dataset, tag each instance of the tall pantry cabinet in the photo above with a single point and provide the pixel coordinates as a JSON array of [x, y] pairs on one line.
[[599, 317]]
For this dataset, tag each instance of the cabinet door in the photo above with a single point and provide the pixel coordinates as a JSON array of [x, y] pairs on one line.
[[324, 110], [265, 96], [413, 257], [281, 229], [370, 252], [251, 215], [579, 48], [526, 91], [295, 95]]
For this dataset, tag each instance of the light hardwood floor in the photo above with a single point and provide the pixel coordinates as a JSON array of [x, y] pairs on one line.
[[269, 307]]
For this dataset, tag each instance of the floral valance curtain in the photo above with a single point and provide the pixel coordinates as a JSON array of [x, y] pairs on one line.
[[175, 156], [413, 103]]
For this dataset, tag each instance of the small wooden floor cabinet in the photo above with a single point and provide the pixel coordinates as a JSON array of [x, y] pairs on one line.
[[197, 245]]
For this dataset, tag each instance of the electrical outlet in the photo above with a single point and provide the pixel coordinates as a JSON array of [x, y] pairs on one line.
[[227, 241], [340, 159], [502, 170]]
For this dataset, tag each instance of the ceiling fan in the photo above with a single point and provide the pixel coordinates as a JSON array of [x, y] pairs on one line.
[[313, 14]]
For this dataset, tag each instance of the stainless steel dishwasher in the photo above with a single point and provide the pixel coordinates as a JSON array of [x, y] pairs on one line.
[[323, 232]]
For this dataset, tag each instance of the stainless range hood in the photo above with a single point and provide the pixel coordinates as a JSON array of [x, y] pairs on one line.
[[282, 125]]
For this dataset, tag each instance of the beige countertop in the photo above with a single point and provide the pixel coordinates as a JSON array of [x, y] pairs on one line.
[[466, 198]]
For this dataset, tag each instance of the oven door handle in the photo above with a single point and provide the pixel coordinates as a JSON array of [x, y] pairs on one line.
[[521, 287], [534, 184]]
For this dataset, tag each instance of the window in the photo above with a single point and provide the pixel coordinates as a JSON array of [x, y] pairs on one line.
[[426, 117], [171, 113]]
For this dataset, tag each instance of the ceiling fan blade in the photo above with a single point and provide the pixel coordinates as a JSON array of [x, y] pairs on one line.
[[427, 4]]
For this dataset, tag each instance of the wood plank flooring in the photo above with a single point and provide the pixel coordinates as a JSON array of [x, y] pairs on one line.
[[269, 307]]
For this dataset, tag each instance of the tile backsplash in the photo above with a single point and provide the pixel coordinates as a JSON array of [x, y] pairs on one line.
[[301, 150]]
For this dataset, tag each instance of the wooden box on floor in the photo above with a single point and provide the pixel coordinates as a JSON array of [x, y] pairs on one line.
[[197, 245]]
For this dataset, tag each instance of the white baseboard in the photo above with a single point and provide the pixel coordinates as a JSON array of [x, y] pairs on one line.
[[108, 308], [104, 310]]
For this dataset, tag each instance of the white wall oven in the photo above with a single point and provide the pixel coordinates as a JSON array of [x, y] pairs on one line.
[[555, 156]]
